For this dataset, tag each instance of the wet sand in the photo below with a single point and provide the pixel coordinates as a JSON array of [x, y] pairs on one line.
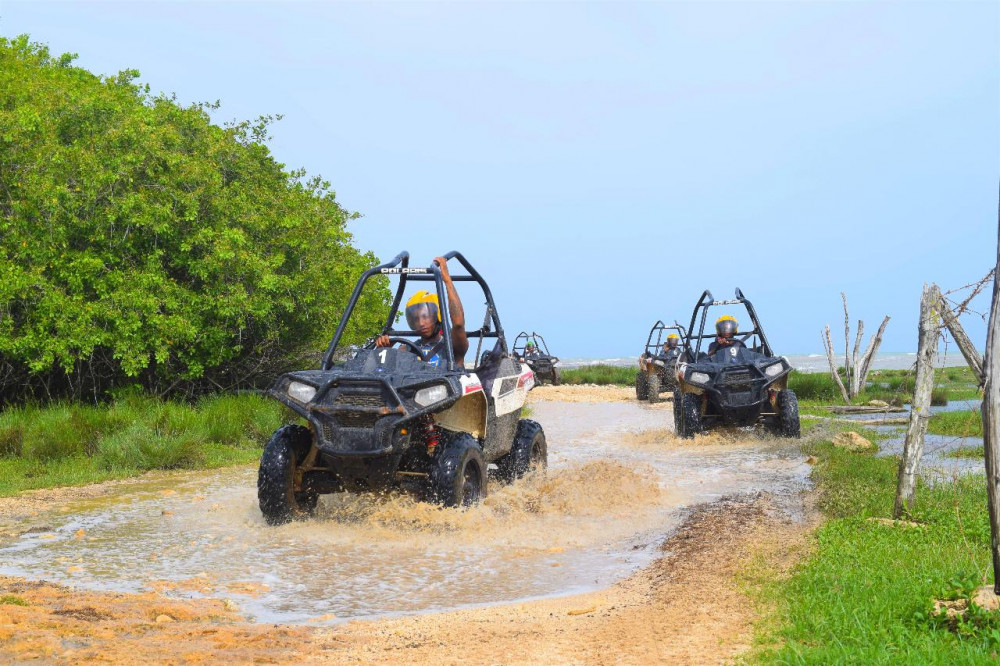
[[683, 607]]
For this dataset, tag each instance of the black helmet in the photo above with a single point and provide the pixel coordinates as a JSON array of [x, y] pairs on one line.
[[726, 326]]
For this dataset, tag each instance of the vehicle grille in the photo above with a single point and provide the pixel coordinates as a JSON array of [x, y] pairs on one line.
[[740, 398], [738, 378], [357, 419], [359, 400]]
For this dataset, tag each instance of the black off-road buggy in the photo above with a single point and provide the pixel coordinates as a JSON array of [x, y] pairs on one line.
[[657, 368], [541, 362], [384, 417], [741, 385]]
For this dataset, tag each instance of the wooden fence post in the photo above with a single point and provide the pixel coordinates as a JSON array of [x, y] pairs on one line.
[[920, 410], [991, 420]]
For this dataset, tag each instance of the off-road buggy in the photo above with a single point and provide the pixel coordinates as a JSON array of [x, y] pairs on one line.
[[658, 368], [538, 358], [383, 417], [741, 385]]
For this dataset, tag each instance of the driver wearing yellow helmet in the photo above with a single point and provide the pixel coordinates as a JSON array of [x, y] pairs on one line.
[[423, 316], [726, 328], [671, 344]]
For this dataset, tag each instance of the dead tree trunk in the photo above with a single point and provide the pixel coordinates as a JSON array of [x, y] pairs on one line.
[[991, 420], [873, 344], [920, 410], [968, 349], [828, 345], [847, 340]]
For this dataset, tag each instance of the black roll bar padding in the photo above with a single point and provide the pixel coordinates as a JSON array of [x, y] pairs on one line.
[[401, 258], [649, 340], [702, 303], [758, 329], [539, 337]]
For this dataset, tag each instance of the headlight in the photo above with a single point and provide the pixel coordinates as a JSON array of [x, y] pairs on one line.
[[430, 395], [699, 378], [659, 363], [301, 392], [774, 370]]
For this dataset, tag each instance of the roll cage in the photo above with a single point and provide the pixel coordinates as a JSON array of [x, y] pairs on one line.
[[522, 340], [400, 266], [659, 329], [707, 301]]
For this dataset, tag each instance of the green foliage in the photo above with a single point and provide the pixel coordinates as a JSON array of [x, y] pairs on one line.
[[144, 244], [600, 374], [71, 444], [12, 600]]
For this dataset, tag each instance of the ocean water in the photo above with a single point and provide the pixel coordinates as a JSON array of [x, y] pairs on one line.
[[801, 362]]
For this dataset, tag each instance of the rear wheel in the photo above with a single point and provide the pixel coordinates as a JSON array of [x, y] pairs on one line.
[[459, 478], [641, 388], [279, 502], [555, 376], [788, 414], [529, 452], [653, 388]]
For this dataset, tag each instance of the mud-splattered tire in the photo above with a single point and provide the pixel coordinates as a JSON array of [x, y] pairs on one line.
[[278, 500], [690, 415], [788, 414], [678, 398], [555, 376], [641, 386], [653, 388], [528, 452], [459, 478]]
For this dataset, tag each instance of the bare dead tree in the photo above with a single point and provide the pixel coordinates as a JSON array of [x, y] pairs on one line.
[[991, 419], [856, 364], [828, 346], [969, 351]]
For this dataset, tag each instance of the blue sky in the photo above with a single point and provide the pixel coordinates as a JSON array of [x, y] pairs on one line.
[[602, 164]]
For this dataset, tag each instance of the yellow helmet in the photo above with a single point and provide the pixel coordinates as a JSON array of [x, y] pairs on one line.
[[672, 340], [419, 301], [726, 326]]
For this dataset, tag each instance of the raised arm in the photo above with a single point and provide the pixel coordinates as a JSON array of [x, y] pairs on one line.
[[459, 338]]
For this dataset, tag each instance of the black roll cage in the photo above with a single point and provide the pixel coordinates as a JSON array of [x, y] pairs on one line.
[[704, 303], [534, 337], [658, 328], [400, 265]]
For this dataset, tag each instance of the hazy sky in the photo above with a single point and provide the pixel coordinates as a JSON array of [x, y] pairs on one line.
[[602, 164]]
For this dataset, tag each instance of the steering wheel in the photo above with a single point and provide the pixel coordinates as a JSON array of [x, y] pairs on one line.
[[412, 345]]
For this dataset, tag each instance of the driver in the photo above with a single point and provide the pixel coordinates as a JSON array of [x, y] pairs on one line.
[[530, 349], [423, 316], [725, 328], [670, 346]]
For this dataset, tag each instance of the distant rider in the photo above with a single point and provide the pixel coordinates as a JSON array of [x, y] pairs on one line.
[[423, 316], [726, 328], [530, 349], [670, 349]]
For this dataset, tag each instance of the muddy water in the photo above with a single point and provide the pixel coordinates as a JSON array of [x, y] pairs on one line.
[[618, 480]]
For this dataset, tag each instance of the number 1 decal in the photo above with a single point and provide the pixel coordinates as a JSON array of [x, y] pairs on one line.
[[381, 355]]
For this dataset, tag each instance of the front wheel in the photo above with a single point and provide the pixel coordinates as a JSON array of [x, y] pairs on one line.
[[653, 384], [459, 478], [690, 415], [641, 386], [279, 502], [788, 414], [555, 376]]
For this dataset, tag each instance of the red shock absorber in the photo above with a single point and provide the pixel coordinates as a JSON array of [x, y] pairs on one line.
[[431, 436]]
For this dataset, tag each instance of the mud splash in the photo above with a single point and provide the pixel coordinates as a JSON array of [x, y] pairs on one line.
[[590, 520]]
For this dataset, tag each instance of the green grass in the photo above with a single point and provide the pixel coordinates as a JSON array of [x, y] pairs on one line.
[[864, 593], [967, 452], [65, 444], [601, 374], [12, 600], [967, 423], [892, 386]]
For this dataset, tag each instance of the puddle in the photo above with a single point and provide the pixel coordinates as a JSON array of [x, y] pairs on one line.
[[617, 482]]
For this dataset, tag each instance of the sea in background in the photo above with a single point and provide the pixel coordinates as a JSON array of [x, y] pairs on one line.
[[802, 362]]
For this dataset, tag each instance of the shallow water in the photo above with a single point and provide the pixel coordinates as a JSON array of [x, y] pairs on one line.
[[617, 482]]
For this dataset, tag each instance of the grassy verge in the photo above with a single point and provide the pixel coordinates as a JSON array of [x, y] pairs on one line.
[[66, 444], [864, 594], [967, 423], [892, 386], [600, 374]]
